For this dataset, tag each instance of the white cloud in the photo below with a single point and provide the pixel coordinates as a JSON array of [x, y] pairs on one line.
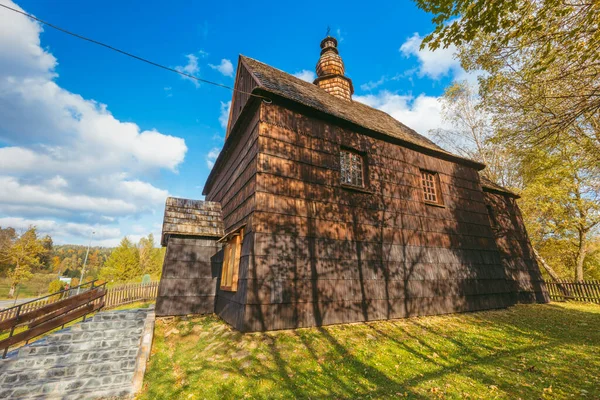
[[434, 64], [191, 68], [306, 75], [225, 68], [67, 159], [54, 229], [437, 64], [421, 113], [373, 84], [224, 115], [211, 157]]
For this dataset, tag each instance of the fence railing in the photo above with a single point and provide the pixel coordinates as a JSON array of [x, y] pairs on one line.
[[588, 291], [67, 306], [129, 293], [115, 296]]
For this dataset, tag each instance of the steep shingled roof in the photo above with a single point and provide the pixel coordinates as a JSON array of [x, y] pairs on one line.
[[494, 187], [288, 86], [191, 218]]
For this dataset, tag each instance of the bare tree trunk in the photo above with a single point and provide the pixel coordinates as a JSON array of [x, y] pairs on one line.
[[581, 252], [551, 272], [11, 292], [547, 267], [579, 262]]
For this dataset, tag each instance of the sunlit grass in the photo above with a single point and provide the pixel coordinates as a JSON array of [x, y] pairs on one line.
[[527, 351]]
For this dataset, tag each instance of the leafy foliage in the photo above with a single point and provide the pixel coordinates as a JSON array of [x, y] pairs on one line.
[[21, 254], [473, 134], [151, 257], [535, 119], [561, 205], [123, 263], [129, 262], [56, 286], [542, 63]]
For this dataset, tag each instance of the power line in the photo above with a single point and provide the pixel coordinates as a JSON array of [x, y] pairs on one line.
[[132, 55]]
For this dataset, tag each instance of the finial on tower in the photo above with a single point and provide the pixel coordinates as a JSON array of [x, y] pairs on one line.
[[330, 70]]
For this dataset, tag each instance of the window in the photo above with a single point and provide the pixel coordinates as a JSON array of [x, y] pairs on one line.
[[231, 260], [352, 168], [431, 187]]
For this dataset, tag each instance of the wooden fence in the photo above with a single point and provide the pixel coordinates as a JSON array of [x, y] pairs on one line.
[[115, 296], [129, 293], [86, 300], [588, 291]]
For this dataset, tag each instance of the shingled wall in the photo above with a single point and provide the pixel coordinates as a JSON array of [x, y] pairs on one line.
[[325, 254], [191, 229], [234, 188], [515, 248]]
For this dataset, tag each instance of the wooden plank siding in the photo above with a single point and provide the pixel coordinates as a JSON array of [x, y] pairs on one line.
[[515, 249], [234, 187], [244, 84], [323, 254], [188, 282], [316, 253]]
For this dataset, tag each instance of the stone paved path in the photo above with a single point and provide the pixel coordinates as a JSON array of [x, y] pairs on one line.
[[90, 360]]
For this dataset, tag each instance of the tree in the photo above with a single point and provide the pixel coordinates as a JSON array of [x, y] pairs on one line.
[[542, 63], [151, 258], [561, 205], [123, 263], [56, 264], [21, 256], [46, 256], [7, 237], [472, 134]]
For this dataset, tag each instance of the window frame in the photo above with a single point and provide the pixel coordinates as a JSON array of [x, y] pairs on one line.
[[437, 189], [364, 169], [230, 267]]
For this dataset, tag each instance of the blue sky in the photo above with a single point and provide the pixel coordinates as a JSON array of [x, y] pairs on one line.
[[93, 140]]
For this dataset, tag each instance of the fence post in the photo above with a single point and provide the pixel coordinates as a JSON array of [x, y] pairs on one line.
[[12, 330]]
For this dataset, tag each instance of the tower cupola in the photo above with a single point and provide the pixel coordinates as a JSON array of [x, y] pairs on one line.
[[330, 71]]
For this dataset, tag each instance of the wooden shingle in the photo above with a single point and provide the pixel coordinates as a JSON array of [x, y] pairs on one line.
[[191, 218]]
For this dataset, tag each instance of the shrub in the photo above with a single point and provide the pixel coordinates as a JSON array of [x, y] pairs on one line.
[[56, 286]]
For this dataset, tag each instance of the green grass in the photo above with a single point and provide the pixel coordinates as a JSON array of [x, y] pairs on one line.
[[137, 304], [528, 351], [35, 287]]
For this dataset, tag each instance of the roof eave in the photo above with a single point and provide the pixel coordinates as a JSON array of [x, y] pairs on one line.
[[380, 135], [252, 101], [504, 192]]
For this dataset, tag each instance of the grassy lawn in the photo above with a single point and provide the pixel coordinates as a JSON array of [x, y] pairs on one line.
[[528, 351], [37, 286]]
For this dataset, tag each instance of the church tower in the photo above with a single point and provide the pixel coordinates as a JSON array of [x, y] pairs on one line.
[[330, 71]]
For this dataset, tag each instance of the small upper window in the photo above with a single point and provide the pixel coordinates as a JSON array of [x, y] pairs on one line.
[[430, 182], [231, 260], [352, 168]]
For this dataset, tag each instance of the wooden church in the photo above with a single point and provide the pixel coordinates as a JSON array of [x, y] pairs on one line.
[[321, 210]]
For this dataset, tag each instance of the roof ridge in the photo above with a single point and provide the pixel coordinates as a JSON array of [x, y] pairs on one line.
[[284, 84], [361, 104], [280, 70]]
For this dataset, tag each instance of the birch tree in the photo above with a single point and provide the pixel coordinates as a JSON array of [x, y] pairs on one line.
[[541, 61]]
